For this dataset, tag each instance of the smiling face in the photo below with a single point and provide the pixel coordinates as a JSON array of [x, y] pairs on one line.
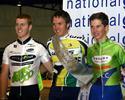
[[60, 27], [22, 28], [98, 30]]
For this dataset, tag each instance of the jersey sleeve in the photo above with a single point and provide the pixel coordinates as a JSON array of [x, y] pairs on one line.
[[89, 57], [44, 54], [121, 55]]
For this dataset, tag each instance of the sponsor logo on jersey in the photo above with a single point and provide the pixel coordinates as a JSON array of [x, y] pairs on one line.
[[101, 59], [15, 52], [30, 50], [21, 63], [22, 58], [15, 46], [30, 45], [22, 75]]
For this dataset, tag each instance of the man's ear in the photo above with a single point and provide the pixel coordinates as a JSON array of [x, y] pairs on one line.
[[107, 28], [30, 27], [68, 25]]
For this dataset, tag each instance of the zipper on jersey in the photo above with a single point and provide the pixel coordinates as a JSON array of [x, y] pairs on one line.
[[101, 71], [20, 93]]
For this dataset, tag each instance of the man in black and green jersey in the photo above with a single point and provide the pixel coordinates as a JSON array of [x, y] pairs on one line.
[[106, 58], [65, 86]]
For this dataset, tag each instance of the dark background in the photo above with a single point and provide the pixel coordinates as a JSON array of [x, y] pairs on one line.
[[35, 3]]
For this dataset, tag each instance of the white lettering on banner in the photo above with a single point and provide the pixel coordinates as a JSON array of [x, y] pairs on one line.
[[81, 10]]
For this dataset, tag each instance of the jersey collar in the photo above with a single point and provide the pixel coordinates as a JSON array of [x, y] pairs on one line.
[[65, 36], [24, 42]]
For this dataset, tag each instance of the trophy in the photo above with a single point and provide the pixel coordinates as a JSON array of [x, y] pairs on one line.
[[78, 70]]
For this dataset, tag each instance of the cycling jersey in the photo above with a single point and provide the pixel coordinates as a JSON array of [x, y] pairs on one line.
[[77, 47], [24, 59], [106, 58]]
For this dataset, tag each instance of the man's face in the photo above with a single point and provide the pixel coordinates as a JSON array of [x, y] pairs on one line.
[[98, 30], [60, 27], [22, 28]]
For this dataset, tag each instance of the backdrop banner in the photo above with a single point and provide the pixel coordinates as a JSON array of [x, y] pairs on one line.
[[81, 10]]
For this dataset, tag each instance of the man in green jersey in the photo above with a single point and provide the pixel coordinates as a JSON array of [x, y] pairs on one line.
[[106, 58]]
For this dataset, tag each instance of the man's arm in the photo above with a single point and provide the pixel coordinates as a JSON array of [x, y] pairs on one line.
[[42, 69], [48, 66], [3, 81]]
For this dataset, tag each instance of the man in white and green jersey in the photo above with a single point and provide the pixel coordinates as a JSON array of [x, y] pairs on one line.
[[106, 58], [22, 59]]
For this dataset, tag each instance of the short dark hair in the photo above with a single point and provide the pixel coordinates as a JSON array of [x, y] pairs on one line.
[[101, 16], [25, 16], [63, 14]]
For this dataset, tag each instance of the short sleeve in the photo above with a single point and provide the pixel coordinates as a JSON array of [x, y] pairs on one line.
[[121, 55], [89, 57], [45, 57]]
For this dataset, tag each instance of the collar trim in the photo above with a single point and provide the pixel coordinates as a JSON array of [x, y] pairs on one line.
[[24, 42]]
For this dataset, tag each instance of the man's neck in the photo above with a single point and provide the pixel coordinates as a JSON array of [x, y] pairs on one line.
[[24, 41], [101, 40], [23, 38]]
